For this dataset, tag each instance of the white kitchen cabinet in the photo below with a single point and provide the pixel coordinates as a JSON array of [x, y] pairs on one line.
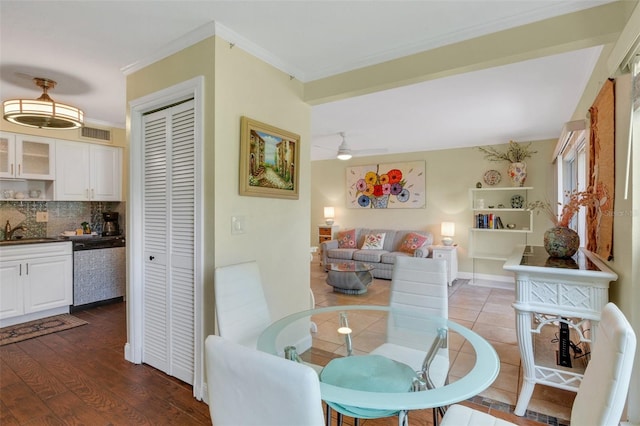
[[36, 281], [11, 291], [26, 157], [88, 172]]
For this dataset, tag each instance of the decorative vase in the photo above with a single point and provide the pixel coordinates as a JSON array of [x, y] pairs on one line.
[[518, 173], [561, 242]]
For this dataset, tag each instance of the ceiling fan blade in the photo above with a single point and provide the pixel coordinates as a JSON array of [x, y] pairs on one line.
[[324, 147], [372, 151]]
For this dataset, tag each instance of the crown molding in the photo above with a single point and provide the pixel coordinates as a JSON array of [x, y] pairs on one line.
[[259, 52], [203, 32], [208, 30]]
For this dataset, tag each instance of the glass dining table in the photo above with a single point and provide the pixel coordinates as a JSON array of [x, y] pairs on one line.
[[374, 361]]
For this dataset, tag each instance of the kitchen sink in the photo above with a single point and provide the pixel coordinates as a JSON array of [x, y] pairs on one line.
[[28, 241]]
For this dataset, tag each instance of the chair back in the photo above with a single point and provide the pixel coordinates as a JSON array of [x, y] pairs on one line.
[[248, 387], [418, 289], [241, 306], [420, 284], [602, 394]]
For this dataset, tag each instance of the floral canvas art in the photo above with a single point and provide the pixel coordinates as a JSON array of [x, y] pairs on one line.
[[387, 186]]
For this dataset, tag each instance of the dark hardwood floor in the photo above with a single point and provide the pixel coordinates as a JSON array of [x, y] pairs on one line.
[[80, 376]]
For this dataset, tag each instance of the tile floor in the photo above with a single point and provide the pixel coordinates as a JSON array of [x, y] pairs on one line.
[[488, 312]]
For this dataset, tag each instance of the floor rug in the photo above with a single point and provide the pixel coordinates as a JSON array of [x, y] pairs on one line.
[[31, 329]]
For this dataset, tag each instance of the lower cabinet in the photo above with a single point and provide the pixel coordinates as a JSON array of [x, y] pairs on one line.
[[36, 280]]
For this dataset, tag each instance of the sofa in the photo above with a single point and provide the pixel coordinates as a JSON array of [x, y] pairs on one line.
[[365, 245]]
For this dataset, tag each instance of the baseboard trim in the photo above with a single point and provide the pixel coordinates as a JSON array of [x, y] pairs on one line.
[[488, 280]]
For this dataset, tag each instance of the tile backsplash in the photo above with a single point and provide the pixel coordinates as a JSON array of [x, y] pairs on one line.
[[63, 216]]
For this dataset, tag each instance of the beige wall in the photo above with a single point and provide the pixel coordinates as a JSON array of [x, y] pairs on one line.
[[449, 176], [276, 229], [238, 84]]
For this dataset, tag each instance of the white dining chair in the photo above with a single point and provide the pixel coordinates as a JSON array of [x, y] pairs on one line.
[[241, 306], [248, 387], [418, 285], [418, 288], [602, 394]]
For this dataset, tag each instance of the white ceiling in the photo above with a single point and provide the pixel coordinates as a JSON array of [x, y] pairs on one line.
[[87, 45]]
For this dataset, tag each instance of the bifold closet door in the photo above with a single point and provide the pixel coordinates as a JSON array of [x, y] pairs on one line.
[[168, 224]]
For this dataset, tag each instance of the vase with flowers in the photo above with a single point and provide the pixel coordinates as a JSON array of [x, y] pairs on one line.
[[515, 156], [562, 241]]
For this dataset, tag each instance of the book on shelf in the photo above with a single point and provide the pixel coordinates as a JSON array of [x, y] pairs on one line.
[[488, 221]]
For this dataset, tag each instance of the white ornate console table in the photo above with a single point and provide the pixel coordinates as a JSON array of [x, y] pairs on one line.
[[551, 292]]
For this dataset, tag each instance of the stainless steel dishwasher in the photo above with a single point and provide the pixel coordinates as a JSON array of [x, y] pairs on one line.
[[99, 271]]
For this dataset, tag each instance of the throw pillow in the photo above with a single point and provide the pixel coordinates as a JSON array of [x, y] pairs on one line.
[[411, 242], [347, 239], [373, 241]]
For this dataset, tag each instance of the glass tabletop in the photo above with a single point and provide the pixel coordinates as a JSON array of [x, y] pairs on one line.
[[373, 357], [349, 266]]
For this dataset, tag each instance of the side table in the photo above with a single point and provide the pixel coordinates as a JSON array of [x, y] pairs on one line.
[[326, 233], [450, 255], [561, 293]]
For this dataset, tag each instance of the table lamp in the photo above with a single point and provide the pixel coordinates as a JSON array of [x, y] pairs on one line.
[[447, 230], [329, 215]]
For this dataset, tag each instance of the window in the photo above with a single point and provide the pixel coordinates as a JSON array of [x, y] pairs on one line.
[[571, 166]]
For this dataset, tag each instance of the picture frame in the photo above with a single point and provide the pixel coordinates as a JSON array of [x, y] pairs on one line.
[[269, 158]]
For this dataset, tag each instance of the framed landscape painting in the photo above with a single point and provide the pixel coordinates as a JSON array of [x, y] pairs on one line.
[[269, 158], [387, 186]]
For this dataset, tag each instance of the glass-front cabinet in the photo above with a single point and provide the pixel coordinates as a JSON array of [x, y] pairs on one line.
[[26, 157], [7, 154]]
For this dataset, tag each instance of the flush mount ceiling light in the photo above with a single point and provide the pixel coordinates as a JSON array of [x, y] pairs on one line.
[[344, 152], [43, 112]]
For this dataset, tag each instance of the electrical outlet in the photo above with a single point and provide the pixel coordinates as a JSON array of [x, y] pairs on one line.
[[42, 216]]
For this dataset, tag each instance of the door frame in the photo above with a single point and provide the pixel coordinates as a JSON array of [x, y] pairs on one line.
[[193, 88]]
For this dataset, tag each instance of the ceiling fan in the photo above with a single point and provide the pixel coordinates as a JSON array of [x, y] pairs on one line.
[[345, 152]]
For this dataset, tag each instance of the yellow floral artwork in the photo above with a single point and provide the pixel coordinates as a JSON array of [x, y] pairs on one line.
[[387, 186]]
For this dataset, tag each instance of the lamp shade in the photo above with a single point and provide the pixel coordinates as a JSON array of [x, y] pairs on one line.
[[447, 230], [42, 112], [329, 215]]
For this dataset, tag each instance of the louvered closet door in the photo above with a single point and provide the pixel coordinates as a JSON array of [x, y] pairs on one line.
[[168, 222]]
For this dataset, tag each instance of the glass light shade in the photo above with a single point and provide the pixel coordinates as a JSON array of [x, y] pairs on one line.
[[42, 114], [329, 215], [344, 155], [447, 230], [344, 152]]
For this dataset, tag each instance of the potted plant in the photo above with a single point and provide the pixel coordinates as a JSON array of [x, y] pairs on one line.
[[515, 156], [562, 241]]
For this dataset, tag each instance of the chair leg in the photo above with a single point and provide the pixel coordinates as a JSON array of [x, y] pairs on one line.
[[339, 420], [328, 422], [403, 418], [438, 411]]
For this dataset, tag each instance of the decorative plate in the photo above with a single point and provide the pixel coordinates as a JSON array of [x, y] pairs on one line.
[[491, 177], [517, 201]]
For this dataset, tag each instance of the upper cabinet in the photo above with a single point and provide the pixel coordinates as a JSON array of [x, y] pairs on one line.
[[26, 157], [88, 172]]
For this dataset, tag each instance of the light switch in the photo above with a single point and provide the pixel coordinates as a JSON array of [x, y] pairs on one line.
[[237, 224], [42, 216]]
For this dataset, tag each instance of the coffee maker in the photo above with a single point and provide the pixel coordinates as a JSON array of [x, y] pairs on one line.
[[110, 227]]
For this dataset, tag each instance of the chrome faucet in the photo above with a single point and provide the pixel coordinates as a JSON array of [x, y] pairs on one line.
[[9, 234]]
